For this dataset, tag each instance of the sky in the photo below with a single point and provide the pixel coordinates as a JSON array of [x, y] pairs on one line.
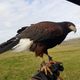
[[15, 14]]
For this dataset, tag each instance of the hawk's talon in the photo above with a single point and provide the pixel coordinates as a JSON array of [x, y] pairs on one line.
[[45, 67]]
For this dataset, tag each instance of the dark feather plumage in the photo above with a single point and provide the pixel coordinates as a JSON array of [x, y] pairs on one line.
[[22, 29], [9, 44], [45, 35]]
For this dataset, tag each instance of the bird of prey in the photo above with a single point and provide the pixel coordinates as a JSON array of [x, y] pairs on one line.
[[39, 37]]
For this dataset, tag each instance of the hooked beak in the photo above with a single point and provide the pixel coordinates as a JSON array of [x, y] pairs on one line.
[[73, 28]]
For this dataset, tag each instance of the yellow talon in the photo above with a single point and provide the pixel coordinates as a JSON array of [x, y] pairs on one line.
[[45, 67], [49, 70], [46, 70]]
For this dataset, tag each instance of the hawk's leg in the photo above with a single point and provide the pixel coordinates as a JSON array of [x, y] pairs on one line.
[[49, 57], [45, 66]]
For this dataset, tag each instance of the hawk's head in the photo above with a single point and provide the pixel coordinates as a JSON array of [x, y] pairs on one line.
[[70, 26]]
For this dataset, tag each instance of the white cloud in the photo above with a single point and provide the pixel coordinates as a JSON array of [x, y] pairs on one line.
[[17, 13]]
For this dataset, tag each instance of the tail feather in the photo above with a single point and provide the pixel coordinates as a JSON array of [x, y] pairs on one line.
[[9, 44]]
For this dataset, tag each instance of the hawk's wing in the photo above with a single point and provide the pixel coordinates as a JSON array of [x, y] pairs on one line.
[[42, 31], [22, 29]]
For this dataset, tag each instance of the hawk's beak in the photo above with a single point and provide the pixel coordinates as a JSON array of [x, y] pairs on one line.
[[73, 28]]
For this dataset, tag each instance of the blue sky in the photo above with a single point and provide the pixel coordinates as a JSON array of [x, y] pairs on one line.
[[15, 14]]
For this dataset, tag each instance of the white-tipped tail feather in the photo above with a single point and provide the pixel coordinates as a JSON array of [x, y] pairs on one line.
[[24, 44]]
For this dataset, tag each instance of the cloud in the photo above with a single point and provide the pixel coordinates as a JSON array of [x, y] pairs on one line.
[[17, 13]]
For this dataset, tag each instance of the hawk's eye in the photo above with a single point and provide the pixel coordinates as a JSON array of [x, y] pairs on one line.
[[69, 24]]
